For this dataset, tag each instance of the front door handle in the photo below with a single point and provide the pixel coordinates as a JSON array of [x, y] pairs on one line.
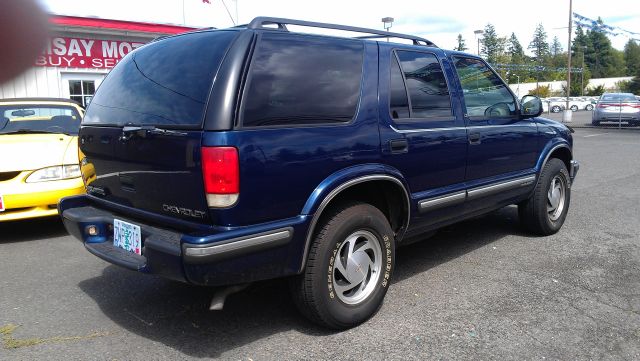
[[475, 138], [399, 146]]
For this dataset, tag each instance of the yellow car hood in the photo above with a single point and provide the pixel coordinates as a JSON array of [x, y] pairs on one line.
[[20, 152]]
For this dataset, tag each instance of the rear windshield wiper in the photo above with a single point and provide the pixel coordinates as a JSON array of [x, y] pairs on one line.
[[129, 132]]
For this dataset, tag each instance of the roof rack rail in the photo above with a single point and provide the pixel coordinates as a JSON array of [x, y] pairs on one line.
[[260, 22]]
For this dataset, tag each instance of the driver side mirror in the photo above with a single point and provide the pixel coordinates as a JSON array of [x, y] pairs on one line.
[[530, 106]]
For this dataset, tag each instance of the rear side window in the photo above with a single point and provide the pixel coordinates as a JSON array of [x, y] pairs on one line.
[[163, 83], [426, 86], [298, 80]]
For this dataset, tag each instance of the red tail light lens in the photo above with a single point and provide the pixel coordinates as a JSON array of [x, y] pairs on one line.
[[603, 105], [221, 172]]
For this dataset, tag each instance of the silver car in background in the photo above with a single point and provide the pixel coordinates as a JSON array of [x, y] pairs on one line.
[[616, 107]]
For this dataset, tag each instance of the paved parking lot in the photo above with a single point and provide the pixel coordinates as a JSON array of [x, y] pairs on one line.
[[482, 289]]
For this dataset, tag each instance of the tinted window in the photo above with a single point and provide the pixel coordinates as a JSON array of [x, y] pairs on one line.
[[485, 95], [427, 85], [303, 80], [162, 83], [399, 102]]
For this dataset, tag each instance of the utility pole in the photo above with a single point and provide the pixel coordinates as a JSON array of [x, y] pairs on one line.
[[567, 114]]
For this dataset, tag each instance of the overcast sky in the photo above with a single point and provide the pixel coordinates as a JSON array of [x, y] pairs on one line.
[[439, 21]]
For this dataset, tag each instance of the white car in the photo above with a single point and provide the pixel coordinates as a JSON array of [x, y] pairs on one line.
[[556, 105], [579, 103]]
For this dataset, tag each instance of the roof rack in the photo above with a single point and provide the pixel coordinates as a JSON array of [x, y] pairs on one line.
[[260, 22]]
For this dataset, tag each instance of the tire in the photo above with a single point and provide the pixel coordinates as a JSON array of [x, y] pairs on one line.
[[574, 108], [545, 211], [589, 107], [555, 109], [354, 238]]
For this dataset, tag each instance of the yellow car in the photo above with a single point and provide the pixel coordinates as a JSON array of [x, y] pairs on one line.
[[38, 156]]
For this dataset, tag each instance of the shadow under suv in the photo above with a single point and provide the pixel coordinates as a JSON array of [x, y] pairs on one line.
[[223, 157]]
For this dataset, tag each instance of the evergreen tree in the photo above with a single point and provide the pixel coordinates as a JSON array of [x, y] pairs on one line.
[[632, 57], [462, 46], [515, 49], [492, 45], [556, 47], [599, 54], [539, 44]]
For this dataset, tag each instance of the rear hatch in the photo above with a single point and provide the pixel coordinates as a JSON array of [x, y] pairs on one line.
[[142, 132]]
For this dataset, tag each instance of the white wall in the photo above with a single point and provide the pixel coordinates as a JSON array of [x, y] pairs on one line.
[[47, 82], [610, 84]]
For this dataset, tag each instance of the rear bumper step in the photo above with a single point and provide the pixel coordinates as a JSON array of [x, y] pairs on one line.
[[219, 258]]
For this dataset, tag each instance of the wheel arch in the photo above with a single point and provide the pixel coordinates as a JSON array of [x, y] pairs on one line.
[[380, 190], [560, 151]]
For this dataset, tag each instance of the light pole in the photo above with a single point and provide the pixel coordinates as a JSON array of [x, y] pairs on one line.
[[567, 112], [477, 34], [582, 72], [387, 23]]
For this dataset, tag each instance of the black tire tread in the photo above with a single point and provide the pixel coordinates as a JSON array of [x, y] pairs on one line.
[[302, 285], [532, 217]]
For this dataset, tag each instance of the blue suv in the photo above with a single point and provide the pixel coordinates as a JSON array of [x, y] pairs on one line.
[[223, 157]]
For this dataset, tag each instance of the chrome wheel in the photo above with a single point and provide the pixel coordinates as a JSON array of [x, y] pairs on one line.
[[357, 267], [556, 197]]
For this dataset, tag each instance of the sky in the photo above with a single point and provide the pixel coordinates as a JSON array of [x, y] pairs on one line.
[[439, 21]]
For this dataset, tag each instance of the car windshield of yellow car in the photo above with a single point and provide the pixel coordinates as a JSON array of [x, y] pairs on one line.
[[26, 118]]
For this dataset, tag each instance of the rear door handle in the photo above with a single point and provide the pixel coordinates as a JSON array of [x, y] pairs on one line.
[[475, 138], [398, 146]]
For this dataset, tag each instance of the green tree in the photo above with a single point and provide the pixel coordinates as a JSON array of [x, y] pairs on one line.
[[462, 46], [540, 49], [514, 49], [599, 53], [556, 47], [539, 44], [492, 45], [632, 57]]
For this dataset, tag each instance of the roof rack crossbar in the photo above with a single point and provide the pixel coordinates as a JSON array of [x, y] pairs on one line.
[[260, 22]]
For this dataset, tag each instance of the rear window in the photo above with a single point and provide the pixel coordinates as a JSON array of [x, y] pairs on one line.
[[164, 83], [35, 118], [301, 79], [618, 98]]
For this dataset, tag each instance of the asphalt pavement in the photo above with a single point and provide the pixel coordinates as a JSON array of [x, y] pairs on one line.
[[482, 290]]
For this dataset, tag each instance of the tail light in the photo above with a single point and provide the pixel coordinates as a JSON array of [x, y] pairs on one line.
[[602, 105], [221, 172]]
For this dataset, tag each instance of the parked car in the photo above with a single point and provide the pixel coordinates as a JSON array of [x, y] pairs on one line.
[[579, 103], [616, 107], [39, 163], [556, 105], [283, 154]]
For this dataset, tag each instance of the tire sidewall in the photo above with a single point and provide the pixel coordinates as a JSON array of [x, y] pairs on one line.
[[554, 167], [353, 219]]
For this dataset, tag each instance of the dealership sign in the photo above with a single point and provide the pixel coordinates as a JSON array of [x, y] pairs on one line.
[[84, 53]]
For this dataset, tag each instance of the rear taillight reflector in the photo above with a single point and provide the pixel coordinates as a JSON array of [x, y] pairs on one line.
[[221, 173]]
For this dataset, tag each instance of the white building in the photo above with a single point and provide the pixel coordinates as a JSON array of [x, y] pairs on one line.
[[609, 84], [79, 53]]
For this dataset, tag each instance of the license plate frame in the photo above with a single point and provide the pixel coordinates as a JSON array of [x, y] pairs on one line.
[[127, 236]]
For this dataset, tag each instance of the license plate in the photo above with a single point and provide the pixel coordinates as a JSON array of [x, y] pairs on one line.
[[1, 203], [127, 236]]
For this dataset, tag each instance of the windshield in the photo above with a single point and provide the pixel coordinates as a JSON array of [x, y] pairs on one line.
[[34, 118]]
